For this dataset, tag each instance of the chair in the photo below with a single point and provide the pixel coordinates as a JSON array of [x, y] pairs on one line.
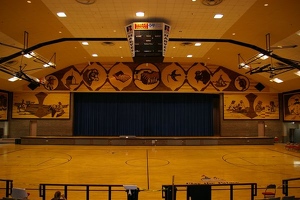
[[270, 191], [19, 193]]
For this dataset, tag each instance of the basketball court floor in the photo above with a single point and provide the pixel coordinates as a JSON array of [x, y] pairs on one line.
[[148, 167]]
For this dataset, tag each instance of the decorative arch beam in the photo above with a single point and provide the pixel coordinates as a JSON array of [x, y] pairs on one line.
[[247, 45]]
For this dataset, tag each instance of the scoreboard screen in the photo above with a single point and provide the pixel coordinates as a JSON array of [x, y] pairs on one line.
[[148, 43]]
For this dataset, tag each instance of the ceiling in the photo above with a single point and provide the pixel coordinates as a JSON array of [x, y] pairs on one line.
[[257, 23]]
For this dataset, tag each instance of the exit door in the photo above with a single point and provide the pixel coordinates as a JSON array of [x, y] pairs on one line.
[[261, 129]]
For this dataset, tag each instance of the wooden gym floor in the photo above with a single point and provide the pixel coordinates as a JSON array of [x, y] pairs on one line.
[[148, 167]]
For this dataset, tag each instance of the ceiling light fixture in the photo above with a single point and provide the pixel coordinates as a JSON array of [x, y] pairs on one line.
[[85, 43], [95, 55], [61, 14], [48, 64], [218, 16], [276, 80], [13, 79], [244, 66], [29, 55], [189, 56], [297, 73], [140, 14], [262, 56], [197, 44]]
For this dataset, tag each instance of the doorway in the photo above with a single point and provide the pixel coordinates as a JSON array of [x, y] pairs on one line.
[[261, 129], [33, 128]]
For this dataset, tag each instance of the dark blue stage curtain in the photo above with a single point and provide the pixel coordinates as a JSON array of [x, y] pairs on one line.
[[143, 114]]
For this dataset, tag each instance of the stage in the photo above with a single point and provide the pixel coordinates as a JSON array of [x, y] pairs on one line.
[[143, 141]]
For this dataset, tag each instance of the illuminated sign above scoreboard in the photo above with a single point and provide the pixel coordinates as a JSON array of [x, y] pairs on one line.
[[147, 26]]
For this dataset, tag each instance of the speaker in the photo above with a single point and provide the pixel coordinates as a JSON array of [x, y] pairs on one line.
[[259, 86], [33, 85]]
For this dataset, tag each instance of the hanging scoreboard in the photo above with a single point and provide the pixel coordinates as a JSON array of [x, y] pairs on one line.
[[147, 41]]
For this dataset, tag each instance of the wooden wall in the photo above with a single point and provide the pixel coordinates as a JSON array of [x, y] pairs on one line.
[[145, 77]]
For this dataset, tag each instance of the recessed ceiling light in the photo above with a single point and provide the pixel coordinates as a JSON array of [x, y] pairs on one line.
[[174, 47], [218, 16], [140, 14], [28, 1], [85, 43], [95, 55], [61, 14], [189, 56], [233, 33], [266, 4], [193, 0], [297, 73], [276, 80], [298, 33], [197, 44]]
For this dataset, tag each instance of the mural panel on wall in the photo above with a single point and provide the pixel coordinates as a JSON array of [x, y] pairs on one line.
[[181, 77], [41, 105], [251, 106], [291, 107], [3, 105]]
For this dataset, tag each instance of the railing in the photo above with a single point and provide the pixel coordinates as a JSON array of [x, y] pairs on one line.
[[8, 186], [285, 185], [42, 189], [253, 189]]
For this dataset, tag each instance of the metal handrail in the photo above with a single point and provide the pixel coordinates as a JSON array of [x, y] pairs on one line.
[[42, 189], [8, 186], [231, 188], [285, 185]]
